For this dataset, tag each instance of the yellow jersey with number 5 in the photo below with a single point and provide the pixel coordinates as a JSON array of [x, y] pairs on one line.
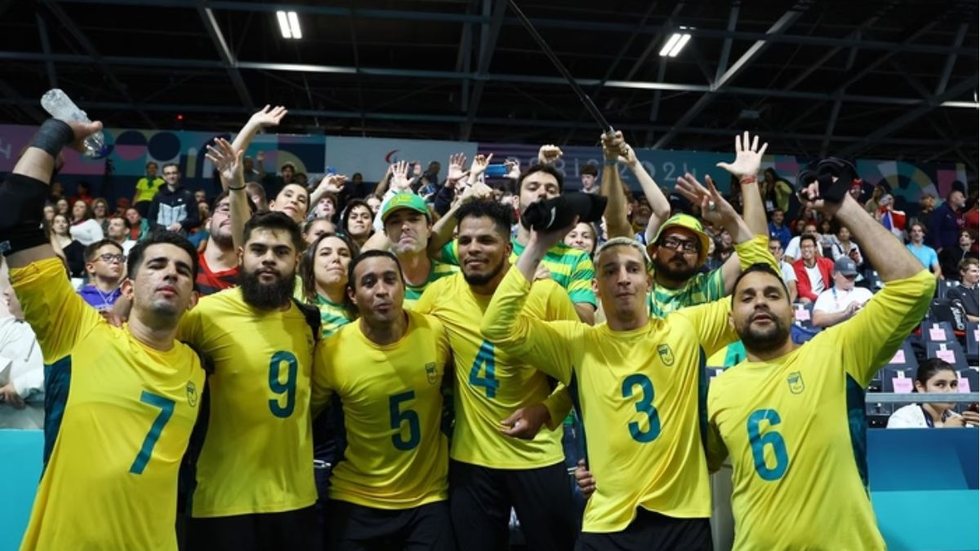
[[120, 415], [257, 455]]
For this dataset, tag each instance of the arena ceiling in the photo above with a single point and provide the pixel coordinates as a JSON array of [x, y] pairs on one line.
[[869, 78]]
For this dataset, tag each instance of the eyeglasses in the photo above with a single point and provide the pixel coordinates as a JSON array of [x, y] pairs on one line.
[[109, 257], [675, 244]]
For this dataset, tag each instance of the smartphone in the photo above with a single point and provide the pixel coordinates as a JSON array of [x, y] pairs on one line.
[[496, 171]]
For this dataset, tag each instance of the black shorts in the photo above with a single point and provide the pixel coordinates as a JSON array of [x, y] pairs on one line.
[[351, 527], [651, 531], [256, 532], [481, 500]]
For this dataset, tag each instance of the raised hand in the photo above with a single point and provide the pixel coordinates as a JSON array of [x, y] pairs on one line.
[[268, 116], [480, 164], [748, 157], [227, 161], [455, 172], [513, 169], [400, 180], [613, 145], [549, 154], [714, 208], [332, 183]]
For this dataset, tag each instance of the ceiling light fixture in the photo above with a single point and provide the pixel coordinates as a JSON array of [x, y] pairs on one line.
[[675, 43], [289, 24]]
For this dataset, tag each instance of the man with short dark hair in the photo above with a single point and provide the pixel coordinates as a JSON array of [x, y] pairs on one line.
[[123, 401], [813, 272], [924, 253], [946, 221], [104, 262], [966, 292], [792, 417], [174, 207], [778, 230], [588, 175]]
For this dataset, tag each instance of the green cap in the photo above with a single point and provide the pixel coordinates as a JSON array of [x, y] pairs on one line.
[[404, 201], [691, 224]]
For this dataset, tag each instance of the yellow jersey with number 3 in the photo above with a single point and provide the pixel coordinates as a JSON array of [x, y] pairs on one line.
[[396, 455], [111, 479], [641, 394], [491, 384], [795, 429], [257, 454]]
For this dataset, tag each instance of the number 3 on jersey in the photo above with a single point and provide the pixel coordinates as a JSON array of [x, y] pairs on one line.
[[759, 441], [484, 360], [287, 388], [645, 406]]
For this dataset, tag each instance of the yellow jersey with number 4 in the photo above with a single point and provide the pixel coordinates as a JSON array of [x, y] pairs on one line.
[[257, 455], [396, 455], [641, 393], [120, 416], [795, 429], [490, 383]]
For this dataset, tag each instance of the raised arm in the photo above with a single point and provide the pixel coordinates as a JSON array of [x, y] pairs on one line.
[[659, 205], [611, 186], [265, 117], [442, 230], [228, 161]]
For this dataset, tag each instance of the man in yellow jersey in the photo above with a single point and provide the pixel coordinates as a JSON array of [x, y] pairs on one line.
[[491, 472], [407, 225], [389, 491], [792, 417], [121, 401], [254, 475], [640, 385], [569, 267]]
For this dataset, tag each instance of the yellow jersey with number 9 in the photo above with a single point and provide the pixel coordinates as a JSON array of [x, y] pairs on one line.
[[257, 455], [120, 415]]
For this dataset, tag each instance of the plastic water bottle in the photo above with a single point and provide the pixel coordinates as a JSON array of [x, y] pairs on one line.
[[57, 103]]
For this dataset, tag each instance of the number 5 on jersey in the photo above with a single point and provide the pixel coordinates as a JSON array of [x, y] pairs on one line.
[[398, 417]]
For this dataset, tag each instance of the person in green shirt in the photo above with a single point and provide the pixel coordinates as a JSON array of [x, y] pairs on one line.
[[146, 189]]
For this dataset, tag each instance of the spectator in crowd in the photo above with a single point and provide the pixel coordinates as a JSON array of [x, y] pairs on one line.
[[589, 175], [843, 300], [778, 230], [256, 193], [582, 237], [788, 417], [785, 268], [118, 231], [201, 197], [84, 228], [313, 229], [293, 200], [174, 208], [776, 193], [793, 249], [139, 227], [83, 192], [893, 220], [49, 213], [874, 203], [326, 207], [374, 203], [355, 221], [323, 271], [950, 257], [73, 251], [56, 192], [927, 204], [249, 171], [146, 189], [841, 245], [21, 364], [274, 184], [926, 254], [101, 212], [813, 272], [368, 507], [105, 265], [947, 221], [61, 206], [966, 292], [933, 376]]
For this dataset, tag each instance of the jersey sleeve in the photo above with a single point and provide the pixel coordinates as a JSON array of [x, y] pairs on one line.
[[756, 251], [321, 389], [709, 285], [871, 338], [427, 302], [58, 315], [580, 281], [551, 346], [449, 253], [710, 323], [190, 328]]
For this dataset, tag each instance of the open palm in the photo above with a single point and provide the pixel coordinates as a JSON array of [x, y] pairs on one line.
[[748, 156], [269, 116]]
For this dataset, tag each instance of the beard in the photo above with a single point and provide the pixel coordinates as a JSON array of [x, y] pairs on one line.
[[764, 340], [673, 270], [265, 296], [483, 279]]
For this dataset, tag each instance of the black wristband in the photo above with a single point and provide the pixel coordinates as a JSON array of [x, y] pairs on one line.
[[235, 188], [53, 136]]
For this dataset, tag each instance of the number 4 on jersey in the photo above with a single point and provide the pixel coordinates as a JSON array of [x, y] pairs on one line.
[[484, 361]]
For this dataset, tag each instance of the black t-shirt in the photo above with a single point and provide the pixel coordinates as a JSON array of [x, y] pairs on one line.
[[967, 297]]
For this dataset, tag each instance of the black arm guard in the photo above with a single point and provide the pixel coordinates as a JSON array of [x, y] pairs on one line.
[[21, 208]]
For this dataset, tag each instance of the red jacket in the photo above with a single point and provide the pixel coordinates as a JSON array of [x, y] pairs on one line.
[[803, 287]]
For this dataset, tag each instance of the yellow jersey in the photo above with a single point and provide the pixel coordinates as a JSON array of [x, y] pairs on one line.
[[795, 429], [257, 454], [396, 455], [123, 420], [490, 383], [641, 394]]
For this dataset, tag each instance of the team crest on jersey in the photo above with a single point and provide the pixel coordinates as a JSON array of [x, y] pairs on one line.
[[795, 380], [666, 354], [192, 394], [430, 373]]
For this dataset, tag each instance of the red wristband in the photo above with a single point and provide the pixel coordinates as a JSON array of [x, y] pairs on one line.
[[750, 179]]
